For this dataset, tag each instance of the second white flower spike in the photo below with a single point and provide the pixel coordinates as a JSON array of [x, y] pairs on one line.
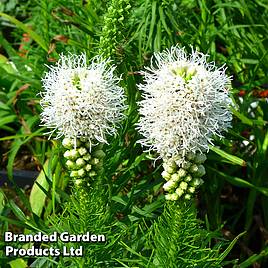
[[185, 103]]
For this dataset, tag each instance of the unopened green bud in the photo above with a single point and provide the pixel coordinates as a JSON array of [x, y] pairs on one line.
[[80, 162], [99, 165], [67, 154], [81, 172], [67, 143], [165, 166], [94, 161], [193, 168], [99, 154], [200, 158], [70, 164], [191, 71], [88, 167], [74, 154], [196, 182], [165, 175], [74, 174], [183, 185], [180, 71], [188, 178], [179, 192], [100, 170], [175, 177], [187, 197], [71, 154], [201, 171], [168, 197], [92, 173], [169, 185], [170, 167], [82, 151], [98, 147], [87, 157], [88, 145], [190, 156], [191, 190], [186, 165], [172, 197], [78, 181], [182, 172]]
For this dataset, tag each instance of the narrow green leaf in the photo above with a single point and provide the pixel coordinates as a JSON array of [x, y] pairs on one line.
[[119, 199], [244, 26], [233, 159], [37, 38], [7, 120], [14, 137], [11, 158], [142, 212], [163, 20], [265, 143], [229, 248], [2, 201], [133, 251], [172, 20], [247, 120], [250, 61], [14, 150], [8, 129], [152, 25], [158, 37], [242, 117], [253, 259], [240, 182], [124, 265], [17, 211], [18, 223]]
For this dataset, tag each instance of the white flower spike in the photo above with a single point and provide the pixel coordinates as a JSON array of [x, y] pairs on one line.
[[80, 100], [185, 102]]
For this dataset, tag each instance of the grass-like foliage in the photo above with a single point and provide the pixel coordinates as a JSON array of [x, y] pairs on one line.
[[126, 201]]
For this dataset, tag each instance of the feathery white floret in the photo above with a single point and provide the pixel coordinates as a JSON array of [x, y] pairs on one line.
[[80, 100], [185, 103]]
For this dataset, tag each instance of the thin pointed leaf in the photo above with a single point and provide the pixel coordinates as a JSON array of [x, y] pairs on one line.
[[232, 158], [37, 38]]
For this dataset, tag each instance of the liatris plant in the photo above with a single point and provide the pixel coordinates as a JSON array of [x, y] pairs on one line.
[[185, 104], [82, 103]]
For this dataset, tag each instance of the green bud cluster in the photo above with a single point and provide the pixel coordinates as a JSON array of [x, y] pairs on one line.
[[182, 181], [113, 27], [82, 161], [187, 72]]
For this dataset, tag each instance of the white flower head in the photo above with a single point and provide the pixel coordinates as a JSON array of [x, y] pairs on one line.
[[185, 103], [81, 100]]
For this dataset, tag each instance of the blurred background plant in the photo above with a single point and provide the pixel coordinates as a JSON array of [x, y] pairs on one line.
[[234, 197]]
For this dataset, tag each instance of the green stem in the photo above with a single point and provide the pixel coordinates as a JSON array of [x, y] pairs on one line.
[[179, 239]]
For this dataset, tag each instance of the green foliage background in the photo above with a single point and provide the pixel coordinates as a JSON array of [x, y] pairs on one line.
[[127, 205]]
